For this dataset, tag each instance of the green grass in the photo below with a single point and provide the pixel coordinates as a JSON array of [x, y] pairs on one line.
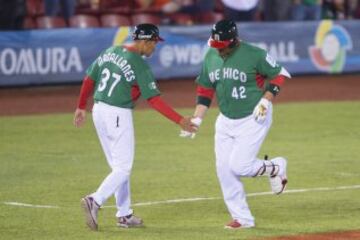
[[46, 161]]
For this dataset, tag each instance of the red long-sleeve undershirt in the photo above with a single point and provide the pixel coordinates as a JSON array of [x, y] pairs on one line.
[[205, 92], [278, 80], [155, 102], [87, 89], [161, 106]]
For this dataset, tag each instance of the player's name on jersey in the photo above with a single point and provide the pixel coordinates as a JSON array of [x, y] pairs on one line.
[[227, 73], [119, 61]]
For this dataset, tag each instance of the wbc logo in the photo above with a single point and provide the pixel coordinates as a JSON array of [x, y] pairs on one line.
[[331, 44]]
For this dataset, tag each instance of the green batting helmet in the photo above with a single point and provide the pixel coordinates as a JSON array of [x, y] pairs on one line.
[[223, 34]]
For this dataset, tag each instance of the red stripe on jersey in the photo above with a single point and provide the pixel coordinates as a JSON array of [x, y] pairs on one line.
[[260, 80], [159, 105], [278, 80], [135, 92], [87, 88], [205, 92]]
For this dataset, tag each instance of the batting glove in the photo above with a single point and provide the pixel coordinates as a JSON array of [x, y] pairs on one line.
[[261, 109], [185, 134]]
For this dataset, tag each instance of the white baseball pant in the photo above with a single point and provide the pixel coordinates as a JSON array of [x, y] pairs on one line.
[[114, 127], [237, 143]]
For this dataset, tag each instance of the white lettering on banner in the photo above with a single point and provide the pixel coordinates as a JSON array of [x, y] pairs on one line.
[[281, 51], [74, 60], [58, 58], [188, 54], [40, 61], [10, 54], [43, 64]]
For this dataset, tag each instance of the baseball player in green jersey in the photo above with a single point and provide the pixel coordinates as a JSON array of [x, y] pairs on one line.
[[246, 80], [118, 77]]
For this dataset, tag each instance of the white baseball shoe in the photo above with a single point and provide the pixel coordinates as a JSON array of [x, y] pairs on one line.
[[235, 224], [91, 209], [130, 221], [278, 182]]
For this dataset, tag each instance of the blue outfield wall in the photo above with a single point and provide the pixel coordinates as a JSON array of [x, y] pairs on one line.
[[62, 56]]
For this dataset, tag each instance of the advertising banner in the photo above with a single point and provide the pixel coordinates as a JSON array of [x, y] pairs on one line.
[[62, 55]]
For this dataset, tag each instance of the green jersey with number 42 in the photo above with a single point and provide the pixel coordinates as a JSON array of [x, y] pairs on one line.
[[116, 71], [236, 78]]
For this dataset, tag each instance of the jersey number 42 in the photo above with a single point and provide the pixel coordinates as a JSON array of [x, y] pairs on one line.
[[238, 92]]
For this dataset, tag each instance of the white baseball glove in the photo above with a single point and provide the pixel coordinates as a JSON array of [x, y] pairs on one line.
[[185, 134], [261, 110]]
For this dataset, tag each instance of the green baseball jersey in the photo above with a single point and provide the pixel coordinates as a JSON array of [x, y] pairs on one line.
[[115, 71], [235, 78]]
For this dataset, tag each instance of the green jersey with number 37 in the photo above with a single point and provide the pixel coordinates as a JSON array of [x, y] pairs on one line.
[[238, 78], [116, 71]]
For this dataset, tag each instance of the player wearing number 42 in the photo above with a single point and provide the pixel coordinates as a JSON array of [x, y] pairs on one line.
[[245, 79], [118, 77]]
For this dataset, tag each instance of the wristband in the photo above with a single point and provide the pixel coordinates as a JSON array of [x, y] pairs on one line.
[[197, 121], [203, 101], [274, 89]]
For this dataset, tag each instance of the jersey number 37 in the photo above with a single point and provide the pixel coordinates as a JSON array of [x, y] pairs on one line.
[[105, 77]]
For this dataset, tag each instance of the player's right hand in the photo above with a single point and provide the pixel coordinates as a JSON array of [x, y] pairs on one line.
[[186, 134], [79, 117], [186, 125]]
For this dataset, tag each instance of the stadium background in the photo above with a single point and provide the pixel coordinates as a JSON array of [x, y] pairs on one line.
[[27, 92]]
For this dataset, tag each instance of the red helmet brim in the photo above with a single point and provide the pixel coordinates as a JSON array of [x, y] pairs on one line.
[[218, 44]]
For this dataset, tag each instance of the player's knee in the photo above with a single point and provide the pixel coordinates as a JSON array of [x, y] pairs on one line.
[[121, 170]]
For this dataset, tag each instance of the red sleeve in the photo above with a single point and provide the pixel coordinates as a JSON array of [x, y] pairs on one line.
[[159, 105], [205, 92], [278, 80], [86, 90], [135, 92]]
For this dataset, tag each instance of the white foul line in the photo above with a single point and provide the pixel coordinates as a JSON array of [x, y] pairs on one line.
[[200, 198], [248, 195], [29, 205]]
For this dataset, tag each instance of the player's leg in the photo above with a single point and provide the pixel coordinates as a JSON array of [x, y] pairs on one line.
[[123, 200], [125, 147], [243, 161], [119, 136], [249, 136], [231, 186], [122, 155], [89, 204]]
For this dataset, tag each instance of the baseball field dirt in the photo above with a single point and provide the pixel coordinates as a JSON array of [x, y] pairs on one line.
[[181, 93]]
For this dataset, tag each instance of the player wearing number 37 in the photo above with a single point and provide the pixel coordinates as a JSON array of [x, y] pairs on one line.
[[117, 78], [245, 79]]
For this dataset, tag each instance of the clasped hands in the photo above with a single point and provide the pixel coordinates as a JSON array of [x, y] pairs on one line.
[[190, 127]]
